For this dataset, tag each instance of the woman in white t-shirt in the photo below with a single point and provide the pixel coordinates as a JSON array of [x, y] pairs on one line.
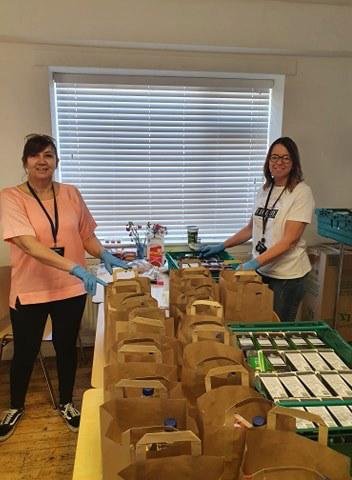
[[283, 208]]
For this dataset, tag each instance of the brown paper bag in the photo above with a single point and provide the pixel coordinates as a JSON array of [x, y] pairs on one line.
[[181, 468], [199, 358], [167, 350], [116, 319], [249, 302], [200, 312], [184, 467], [216, 415], [137, 352], [124, 420], [132, 388], [144, 282], [169, 346], [136, 370], [292, 449]]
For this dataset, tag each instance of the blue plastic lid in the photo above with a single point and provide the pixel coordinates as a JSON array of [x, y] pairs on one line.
[[148, 392], [170, 422], [258, 421]]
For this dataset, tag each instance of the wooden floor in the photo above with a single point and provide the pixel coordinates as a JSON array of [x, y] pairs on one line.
[[42, 445]]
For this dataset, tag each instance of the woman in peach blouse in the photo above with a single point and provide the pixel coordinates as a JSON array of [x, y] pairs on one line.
[[48, 227]]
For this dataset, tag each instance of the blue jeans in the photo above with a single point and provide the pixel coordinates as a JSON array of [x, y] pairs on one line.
[[288, 294]]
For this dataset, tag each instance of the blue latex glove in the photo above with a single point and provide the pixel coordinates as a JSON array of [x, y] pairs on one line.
[[209, 250], [250, 265], [111, 261], [90, 281]]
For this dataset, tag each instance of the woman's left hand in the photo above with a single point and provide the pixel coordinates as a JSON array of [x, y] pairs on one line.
[[111, 261], [250, 265]]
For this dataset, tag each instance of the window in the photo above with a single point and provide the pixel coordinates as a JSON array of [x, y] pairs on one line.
[[173, 151]]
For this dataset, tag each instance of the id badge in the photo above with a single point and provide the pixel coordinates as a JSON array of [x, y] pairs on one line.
[[59, 250]]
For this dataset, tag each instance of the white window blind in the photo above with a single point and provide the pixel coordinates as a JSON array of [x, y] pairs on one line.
[[176, 154]]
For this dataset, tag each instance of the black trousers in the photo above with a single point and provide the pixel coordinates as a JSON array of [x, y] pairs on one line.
[[28, 323], [288, 295]]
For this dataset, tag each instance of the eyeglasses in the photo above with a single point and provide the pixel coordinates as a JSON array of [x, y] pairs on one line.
[[275, 158]]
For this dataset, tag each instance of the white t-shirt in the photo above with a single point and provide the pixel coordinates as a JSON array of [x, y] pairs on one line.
[[297, 205]]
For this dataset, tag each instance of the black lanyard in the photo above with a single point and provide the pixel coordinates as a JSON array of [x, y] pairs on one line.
[[54, 226], [266, 210]]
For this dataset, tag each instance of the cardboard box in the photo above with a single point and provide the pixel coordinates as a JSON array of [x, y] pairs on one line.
[[321, 284]]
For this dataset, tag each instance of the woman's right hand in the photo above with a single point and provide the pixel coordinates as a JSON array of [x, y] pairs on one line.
[[90, 281], [209, 250]]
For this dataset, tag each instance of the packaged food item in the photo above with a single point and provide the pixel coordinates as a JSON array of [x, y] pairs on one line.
[[276, 361], [314, 385], [245, 342], [294, 386], [297, 339], [334, 360], [316, 361], [324, 414], [347, 376], [342, 414], [337, 384], [279, 341], [273, 386], [314, 340], [263, 340], [298, 362], [301, 423]]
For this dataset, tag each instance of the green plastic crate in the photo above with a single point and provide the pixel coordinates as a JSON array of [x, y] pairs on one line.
[[335, 223], [340, 438], [325, 332], [173, 259]]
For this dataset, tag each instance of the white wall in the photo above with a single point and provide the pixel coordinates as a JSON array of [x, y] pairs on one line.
[[315, 42]]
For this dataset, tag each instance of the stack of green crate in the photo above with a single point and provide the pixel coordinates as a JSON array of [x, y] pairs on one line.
[[254, 339]]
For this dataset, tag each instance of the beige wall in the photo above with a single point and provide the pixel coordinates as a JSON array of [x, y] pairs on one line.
[[316, 41]]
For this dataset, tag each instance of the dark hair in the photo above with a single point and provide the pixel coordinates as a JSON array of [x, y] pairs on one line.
[[295, 175], [36, 143]]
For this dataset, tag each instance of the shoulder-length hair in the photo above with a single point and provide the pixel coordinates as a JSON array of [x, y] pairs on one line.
[[36, 143], [295, 175]]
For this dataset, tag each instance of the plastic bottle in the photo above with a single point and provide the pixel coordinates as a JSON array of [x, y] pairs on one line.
[[155, 251], [170, 424], [258, 421], [147, 392]]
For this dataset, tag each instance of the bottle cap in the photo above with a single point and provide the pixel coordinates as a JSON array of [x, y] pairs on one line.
[[148, 392], [170, 422], [258, 421]]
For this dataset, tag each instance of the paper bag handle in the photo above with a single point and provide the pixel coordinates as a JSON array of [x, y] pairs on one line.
[[151, 322], [124, 383], [192, 309], [168, 437], [217, 357], [216, 371], [126, 283], [210, 327], [138, 341], [282, 469], [117, 270], [294, 413], [139, 349]]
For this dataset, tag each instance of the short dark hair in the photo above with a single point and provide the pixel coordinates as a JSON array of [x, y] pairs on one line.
[[296, 175], [36, 143]]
